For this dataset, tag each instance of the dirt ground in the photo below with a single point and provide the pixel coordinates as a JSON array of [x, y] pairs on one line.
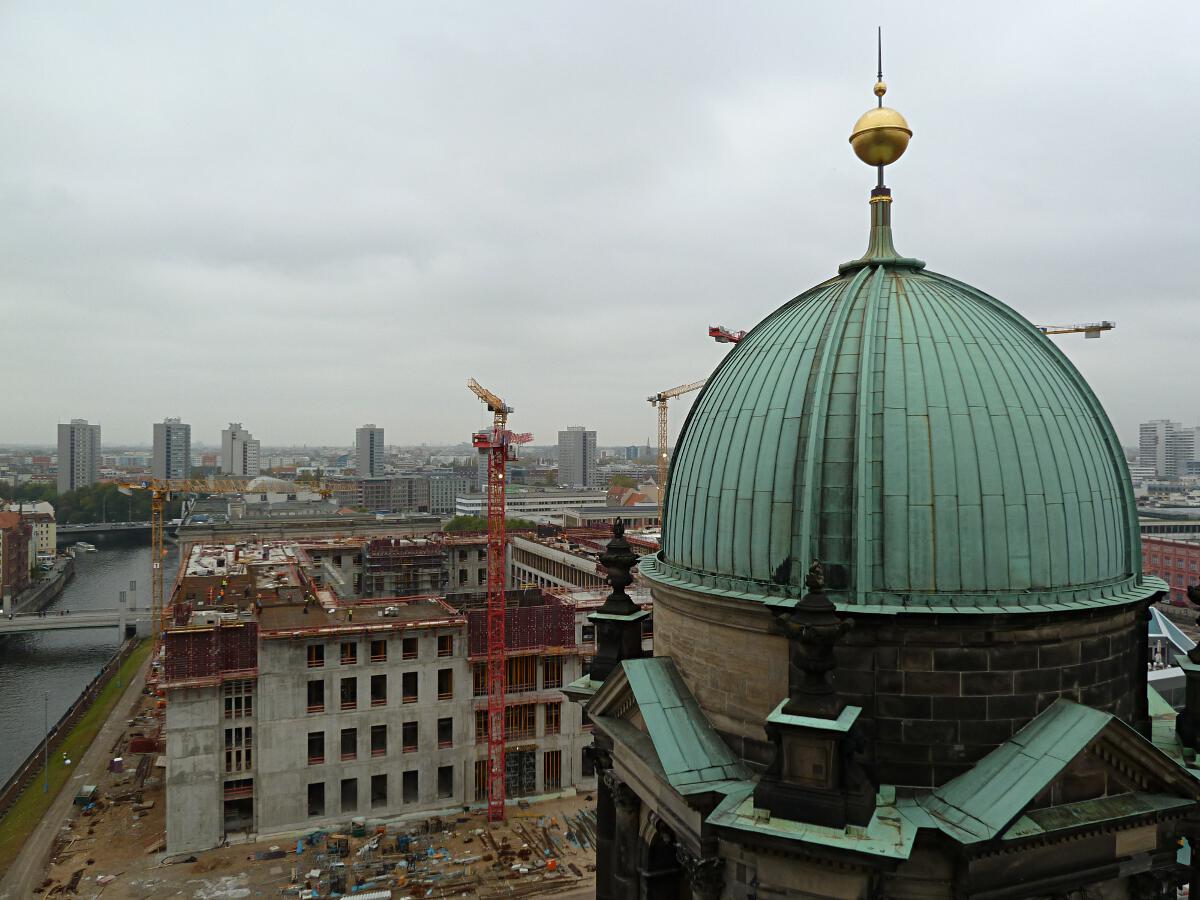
[[545, 848]]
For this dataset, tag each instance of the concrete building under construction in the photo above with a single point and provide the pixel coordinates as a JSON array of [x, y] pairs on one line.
[[292, 704]]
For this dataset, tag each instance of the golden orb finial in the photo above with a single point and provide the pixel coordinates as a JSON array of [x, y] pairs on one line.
[[880, 135]]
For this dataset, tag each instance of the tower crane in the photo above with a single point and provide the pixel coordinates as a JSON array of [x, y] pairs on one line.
[[659, 401], [723, 335], [499, 446], [1089, 330], [161, 490]]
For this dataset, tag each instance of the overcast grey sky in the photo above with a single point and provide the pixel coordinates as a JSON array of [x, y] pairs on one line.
[[306, 216]]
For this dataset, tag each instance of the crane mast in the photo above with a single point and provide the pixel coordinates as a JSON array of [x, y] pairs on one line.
[[659, 402], [498, 445]]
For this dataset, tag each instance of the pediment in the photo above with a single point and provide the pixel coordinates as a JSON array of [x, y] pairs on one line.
[[1069, 756], [645, 705]]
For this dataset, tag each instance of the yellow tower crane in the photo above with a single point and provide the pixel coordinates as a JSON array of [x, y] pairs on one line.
[[161, 490], [659, 401]]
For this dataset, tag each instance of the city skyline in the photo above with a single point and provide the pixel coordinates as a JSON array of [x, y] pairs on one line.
[[632, 205]]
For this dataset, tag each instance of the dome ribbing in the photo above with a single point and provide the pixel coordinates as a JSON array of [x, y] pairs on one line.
[[924, 441]]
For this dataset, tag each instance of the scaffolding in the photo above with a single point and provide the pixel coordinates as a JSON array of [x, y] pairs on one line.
[[205, 655], [545, 625]]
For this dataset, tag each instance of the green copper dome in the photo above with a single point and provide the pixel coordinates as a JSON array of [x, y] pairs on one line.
[[924, 441]]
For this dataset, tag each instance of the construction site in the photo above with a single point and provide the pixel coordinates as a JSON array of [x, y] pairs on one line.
[[113, 844], [357, 713]]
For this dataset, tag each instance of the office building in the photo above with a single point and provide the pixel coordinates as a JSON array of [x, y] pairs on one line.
[[172, 449], [239, 451], [1166, 446], [78, 455], [577, 457], [444, 490], [537, 504], [368, 444]]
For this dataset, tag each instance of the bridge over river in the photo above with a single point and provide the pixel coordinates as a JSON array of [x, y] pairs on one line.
[[122, 619], [69, 534]]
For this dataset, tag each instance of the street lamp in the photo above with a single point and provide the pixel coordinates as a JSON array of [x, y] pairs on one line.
[[46, 738]]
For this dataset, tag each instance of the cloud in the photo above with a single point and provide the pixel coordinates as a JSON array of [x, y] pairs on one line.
[[306, 217]]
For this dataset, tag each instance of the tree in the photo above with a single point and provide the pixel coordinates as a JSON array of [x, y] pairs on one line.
[[479, 523], [625, 481]]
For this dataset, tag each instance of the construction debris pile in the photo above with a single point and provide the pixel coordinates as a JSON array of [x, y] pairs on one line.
[[529, 855]]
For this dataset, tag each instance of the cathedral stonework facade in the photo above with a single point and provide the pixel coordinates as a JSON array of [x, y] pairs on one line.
[[900, 619]]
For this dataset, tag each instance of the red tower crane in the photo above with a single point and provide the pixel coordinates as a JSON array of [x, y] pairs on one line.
[[723, 335], [498, 445]]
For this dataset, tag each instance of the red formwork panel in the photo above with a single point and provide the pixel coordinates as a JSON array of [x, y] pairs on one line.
[[525, 628], [206, 653]]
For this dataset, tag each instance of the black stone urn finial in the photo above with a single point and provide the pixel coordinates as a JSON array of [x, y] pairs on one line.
[[619, 621], [618, 561], [813, 628]]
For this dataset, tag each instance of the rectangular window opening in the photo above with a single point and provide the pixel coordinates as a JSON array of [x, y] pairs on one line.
[[379, 740], [316, 656], [445, 678], [552, 770], [379, 690], [553, 718], [349, 743], [445, 733], [408, 648], [316, 748], [349, 653], [378, 791], [411, 784], [445, 782], [349, 795], [349, 693], [316, 799], [316, 696], [552, 672], [379, 651], [408, 687], [408, 737]]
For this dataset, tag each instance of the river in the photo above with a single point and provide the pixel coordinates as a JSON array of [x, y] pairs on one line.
[[59, 664]]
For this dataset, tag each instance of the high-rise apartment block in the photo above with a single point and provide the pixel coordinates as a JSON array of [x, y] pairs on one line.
[[1167, 446], [577, 457], [368, 442], [78, 455], [239, 451], [172, 449]]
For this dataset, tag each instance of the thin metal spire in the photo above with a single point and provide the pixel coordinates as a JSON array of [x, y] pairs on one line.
[[879, 50]]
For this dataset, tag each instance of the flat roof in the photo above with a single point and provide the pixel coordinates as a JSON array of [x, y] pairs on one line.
[[378, 614]]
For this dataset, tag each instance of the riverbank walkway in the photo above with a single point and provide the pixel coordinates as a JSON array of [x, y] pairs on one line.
[[27, 870]]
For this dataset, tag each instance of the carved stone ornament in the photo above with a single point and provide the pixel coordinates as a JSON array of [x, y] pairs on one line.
[[601, 759], [623, 796], [706, 874]]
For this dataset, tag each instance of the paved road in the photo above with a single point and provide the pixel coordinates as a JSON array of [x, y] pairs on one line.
[[29, 869]]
